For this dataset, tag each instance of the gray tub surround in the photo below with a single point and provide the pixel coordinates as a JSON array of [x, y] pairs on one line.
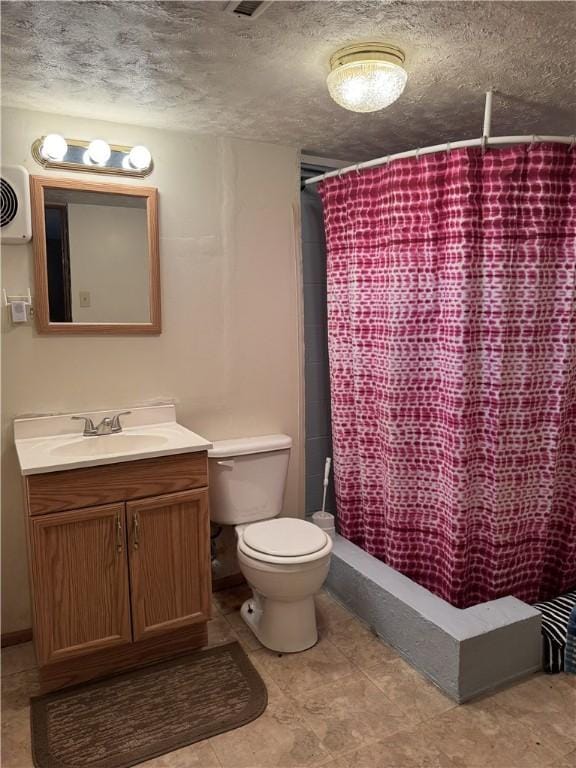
[[316, 372], [465, 652]]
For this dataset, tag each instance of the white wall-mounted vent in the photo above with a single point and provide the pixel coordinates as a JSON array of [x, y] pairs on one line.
[[15, 216], [250, 9]]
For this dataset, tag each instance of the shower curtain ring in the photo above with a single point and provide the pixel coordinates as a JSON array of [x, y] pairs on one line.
[[483, 143], [448, 147], [357, 169], [418, 153], [572, 142], [532, 142]]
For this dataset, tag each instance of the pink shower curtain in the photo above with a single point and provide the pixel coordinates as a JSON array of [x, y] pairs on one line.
[[452, 341]]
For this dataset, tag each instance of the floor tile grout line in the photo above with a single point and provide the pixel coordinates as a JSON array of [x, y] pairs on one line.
[[367, 743], [325, 640], [19, 672], [412, 671], [371, 740], [219, 762], [320, 688], [350, 655], [425, 719], [302, 721], [544, 734]]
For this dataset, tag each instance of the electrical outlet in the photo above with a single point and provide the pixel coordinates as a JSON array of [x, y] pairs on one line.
[[84, 298]]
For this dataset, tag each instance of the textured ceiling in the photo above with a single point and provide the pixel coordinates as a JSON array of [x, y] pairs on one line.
[[190, 66]]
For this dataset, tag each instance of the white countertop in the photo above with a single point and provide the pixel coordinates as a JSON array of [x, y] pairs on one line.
[[56, 443]]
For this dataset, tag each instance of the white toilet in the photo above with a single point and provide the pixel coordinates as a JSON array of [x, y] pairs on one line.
[[285, 560]]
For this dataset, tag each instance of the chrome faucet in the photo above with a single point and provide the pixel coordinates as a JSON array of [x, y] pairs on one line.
[[108, 426]]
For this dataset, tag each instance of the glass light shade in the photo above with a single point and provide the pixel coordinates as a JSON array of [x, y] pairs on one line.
[[366, 86], [140, 157], [99, 151], [54, 147]]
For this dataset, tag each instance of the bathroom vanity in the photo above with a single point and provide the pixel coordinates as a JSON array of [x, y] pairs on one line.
[[118, 531]]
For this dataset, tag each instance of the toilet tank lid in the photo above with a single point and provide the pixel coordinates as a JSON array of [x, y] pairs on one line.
[[242, 446]]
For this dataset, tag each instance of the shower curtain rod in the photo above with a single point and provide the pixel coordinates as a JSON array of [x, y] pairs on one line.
[[484, 141]]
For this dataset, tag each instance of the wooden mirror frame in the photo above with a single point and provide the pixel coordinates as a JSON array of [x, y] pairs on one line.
[[42, 308]]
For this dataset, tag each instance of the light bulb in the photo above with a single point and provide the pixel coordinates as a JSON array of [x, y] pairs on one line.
[[140, 158], [54, 147], [99, 151]]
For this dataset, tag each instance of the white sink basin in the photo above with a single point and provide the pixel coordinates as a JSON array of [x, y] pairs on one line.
[[55, 443], [107, 445]]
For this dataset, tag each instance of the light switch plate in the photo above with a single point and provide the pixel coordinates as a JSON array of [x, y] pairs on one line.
[[84, 298]]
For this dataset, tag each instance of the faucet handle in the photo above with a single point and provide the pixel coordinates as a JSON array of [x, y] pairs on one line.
[[89, 428], [116, 426]]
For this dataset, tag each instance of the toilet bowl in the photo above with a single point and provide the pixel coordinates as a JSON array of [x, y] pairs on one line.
[[284, 576], [284, 560]]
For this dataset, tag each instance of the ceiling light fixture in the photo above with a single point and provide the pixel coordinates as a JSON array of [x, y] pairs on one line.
[[366, 77]]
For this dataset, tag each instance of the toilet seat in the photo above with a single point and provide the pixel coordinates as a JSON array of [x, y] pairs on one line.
[[284, 541], [285, 537]]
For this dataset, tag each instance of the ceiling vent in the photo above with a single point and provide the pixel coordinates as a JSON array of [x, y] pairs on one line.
[[248, 9]]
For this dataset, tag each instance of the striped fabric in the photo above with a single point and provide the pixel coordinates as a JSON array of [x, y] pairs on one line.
[[555, 617], [452, 341]]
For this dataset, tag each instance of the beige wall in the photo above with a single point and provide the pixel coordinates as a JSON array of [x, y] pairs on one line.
[[230, 351], [109, 259]]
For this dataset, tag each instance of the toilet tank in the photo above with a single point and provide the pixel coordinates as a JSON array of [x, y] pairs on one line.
[[247, 478]]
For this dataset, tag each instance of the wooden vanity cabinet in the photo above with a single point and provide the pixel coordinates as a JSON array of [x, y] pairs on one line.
[[120, 584]]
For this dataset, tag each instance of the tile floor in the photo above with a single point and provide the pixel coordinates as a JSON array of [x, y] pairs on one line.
[[349, 702]]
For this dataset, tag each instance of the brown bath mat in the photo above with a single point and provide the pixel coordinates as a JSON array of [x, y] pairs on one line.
[[124, 720]]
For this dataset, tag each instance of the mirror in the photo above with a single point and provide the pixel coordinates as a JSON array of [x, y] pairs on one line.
[[96, 257]]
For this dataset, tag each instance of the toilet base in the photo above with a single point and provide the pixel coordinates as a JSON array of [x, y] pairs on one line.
[[284, 627]]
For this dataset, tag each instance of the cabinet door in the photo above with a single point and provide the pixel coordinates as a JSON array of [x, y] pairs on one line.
[[80, 582], [169, 553]]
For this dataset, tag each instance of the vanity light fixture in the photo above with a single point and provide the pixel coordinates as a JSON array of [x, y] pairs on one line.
[[366, 77], [96, 156], [54, 147]]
